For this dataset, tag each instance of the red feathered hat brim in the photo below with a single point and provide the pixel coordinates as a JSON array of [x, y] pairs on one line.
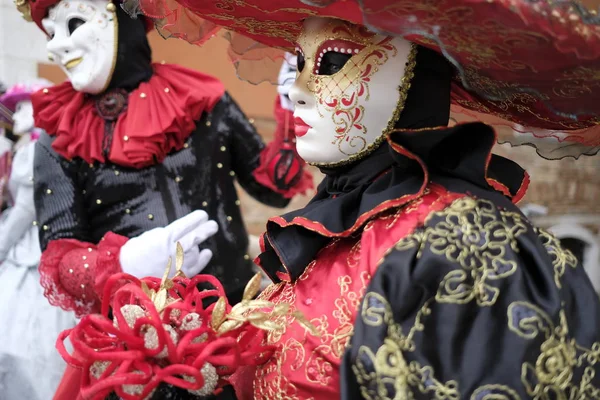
[[531, 63]]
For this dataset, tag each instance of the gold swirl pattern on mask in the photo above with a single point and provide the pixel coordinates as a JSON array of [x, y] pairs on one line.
[[471, 235], [560, 359], [347, 114]]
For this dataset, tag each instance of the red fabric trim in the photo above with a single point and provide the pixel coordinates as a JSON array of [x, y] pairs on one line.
[[522, 190], [261, 243], [169, 105], [63, 270], [318, 227], [264, 173], [73, 273], [70, 383], [108, 262], [499, 186], [284, 137]]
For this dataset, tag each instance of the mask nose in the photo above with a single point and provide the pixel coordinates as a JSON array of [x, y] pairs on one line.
[[58, 47], [299, 97]]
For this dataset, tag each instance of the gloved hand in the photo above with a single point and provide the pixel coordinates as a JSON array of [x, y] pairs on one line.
[[148, 254], [287, 77]]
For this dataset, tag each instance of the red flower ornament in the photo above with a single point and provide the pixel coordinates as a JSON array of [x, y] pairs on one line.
[[161, 332]]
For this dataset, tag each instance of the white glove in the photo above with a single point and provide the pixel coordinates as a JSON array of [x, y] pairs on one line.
[[286, 79], [148, 254]]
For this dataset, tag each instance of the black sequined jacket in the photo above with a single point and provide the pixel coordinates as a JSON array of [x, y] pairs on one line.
[[77, 200]]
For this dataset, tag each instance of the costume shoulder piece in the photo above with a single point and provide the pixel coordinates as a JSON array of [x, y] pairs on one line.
[[514, 298]]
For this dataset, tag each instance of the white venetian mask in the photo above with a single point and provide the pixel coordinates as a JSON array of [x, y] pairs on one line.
[[83, 41], [287, 77], [350, 89], [23, 118]]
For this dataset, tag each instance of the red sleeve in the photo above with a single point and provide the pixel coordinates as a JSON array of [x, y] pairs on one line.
[[281, 169], [73, 273]]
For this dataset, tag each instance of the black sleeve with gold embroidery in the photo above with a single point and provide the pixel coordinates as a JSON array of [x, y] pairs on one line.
[[477, 305]]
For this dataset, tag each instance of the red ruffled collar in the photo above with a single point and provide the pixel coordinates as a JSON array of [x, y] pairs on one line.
[[160, 116]]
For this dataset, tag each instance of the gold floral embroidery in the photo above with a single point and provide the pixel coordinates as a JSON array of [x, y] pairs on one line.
[[561, 258], [475, 236], [495, 392], [386, 374], [480, 240], [560, 359], [335, 330]]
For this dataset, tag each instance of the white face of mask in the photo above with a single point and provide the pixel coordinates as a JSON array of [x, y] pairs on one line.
[[83, 41], [349, 90], [23, 118]]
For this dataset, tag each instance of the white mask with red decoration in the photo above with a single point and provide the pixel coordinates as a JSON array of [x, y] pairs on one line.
[[350, 90]]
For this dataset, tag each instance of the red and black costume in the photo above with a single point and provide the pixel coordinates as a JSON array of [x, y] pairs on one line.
[[161, 142], [422, 277], [400, 254]]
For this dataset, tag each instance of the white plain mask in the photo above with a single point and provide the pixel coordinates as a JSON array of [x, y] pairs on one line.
[[23, 118], [344, 107], [83, 41]]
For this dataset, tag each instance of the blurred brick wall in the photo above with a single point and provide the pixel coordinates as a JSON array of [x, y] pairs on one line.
[[566, 186]]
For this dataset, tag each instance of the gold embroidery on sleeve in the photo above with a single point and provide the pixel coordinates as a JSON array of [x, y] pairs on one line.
[[561, 258], [477, 237], [385, 374], [495, 392], [560, 356]]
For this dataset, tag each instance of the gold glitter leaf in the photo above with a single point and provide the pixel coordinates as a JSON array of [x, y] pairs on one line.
[[241, 308], [147, 290], [267, 325], [179, 260], [160, 300], [252, 287], [229, 326], [167, 271], [24, 8], [306, 324], [218, 315]]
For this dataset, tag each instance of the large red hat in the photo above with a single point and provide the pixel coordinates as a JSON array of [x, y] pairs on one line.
[[533, 63]]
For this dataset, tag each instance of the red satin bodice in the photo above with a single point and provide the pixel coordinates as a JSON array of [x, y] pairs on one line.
[[328, 294]]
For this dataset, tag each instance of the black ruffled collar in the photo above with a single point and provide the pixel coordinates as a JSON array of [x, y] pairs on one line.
[[397, 173]]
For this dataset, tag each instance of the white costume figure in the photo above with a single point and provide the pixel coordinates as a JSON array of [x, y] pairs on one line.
[[30, 366]]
